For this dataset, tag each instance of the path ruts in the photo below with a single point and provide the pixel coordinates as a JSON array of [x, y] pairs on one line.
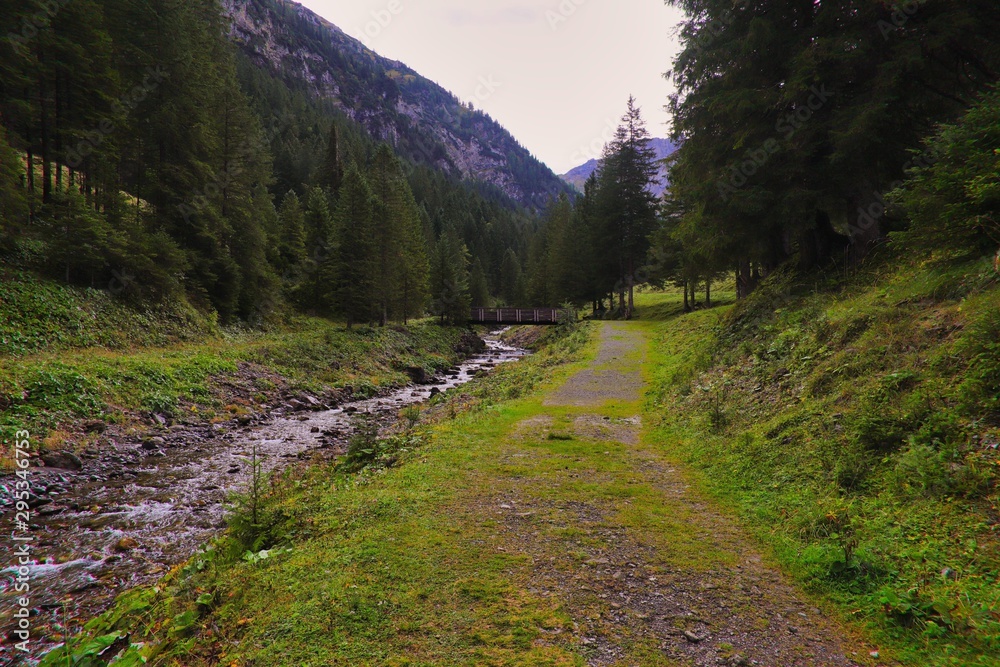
[[650, 573]]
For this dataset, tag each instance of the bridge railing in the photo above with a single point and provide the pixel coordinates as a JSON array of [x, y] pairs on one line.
[[517, 315]]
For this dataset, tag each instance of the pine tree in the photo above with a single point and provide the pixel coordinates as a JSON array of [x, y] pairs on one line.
[[414, 267], [351, 268], [622, 209], [479, 289], [401, 280], [13, 202], [319, 230], [292, 239], [450, 279], [511, 280], [331, 172]]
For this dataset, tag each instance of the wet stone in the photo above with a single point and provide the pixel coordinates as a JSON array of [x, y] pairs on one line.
[[65, 460]]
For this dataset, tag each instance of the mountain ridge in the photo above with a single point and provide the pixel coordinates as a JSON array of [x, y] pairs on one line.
[[423, 121], [577, 177]]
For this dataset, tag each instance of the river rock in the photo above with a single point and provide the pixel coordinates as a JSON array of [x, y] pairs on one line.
[[95, 426], [126, 544], [470, 344], [418, 374], [65, 460], [435, 391]]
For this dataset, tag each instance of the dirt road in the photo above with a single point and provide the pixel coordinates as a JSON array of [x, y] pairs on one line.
[[650, 572]]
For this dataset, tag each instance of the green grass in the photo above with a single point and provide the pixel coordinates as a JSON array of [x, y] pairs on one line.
[[38, 315], [84, 356], [49, 391], [855, 432], [387, 567], [851, 430]]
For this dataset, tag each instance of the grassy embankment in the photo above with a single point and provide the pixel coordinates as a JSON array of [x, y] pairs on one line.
[[386, 566], [69, 356], [855, 431]]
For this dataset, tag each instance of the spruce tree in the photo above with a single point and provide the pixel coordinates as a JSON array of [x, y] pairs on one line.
[[479, 289], [331, 172], [350, 269], [292, 239], [450, 279]]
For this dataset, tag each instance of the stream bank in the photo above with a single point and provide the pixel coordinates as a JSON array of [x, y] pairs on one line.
[[139, 507]]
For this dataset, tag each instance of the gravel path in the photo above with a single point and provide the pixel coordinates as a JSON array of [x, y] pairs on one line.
[[614, 374], [686, 589]]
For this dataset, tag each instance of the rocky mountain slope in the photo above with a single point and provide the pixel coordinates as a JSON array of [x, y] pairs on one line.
[[578, 176], [423, 121]]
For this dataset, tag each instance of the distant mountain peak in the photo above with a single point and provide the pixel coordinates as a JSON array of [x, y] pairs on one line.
[[577, 177]]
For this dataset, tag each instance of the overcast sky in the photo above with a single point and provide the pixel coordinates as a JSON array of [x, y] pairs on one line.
[[556, 73]]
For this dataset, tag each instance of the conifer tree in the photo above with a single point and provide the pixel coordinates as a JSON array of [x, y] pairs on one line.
[[511, 280], [479, 290], [450, 279], [401, 255], [331, 172], [291, 223], [351, 268]]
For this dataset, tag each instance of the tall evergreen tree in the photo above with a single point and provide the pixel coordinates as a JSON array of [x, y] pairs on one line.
[[624, 212], [292, 232], [331, 172], [511, 280], [450, 279], [351, 268], [479, 289]]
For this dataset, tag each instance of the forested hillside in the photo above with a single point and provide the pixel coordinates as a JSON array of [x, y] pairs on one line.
[[427, 124], [144, 153], [797, 121]]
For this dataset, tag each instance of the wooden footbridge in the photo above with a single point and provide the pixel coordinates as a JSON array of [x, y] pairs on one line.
[[517, 316]]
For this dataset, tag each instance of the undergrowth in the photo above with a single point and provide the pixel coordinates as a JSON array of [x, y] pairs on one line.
[[856, 428]]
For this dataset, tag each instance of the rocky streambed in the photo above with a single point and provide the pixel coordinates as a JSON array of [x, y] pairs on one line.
[[117, 518]]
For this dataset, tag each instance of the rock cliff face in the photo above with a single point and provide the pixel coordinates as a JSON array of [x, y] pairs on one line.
[[423, 121]]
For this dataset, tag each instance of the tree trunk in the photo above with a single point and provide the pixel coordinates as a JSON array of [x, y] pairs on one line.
[[46, 153], [708, 292], [31, 173], [687, 305], [58, 135]]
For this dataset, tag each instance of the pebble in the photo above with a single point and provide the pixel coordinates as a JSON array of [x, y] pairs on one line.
[[126, 544]]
